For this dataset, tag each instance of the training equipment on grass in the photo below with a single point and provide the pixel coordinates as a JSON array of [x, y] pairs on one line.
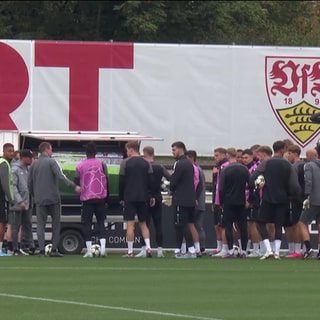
[[96, 250], [236, 251], [48, 249]]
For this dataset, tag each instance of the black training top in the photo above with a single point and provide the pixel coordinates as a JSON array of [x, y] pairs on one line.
[[135, 180], [182, 184], [159, 171], [234, 179], [281, 180]]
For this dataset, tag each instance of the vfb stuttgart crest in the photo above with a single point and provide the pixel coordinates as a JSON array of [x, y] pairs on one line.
[[293, 87]]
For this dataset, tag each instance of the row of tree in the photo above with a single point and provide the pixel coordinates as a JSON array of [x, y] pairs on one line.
[[200, 22]]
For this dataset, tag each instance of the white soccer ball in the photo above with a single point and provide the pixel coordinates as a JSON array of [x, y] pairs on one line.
[[48, 249], [306, 204], [260, 182], [96, 250], [165, 185], [236, 251], [166, 182]]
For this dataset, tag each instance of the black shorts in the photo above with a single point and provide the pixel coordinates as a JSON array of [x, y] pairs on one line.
[[93, 206], [234, 214], [3, 210], [272, 213], [217, 215], [252, 213], [308, 215], [293, 213], [131, 209], [184, 215]]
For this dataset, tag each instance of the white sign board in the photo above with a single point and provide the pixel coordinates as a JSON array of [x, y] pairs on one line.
[[207, 96]]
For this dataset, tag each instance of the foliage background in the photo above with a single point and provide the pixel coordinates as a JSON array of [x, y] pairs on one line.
[[280, 23]]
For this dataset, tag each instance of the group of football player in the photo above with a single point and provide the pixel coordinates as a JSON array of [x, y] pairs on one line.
[[279, 191]]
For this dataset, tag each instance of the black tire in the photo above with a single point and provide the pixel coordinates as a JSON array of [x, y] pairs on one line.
[[71, 242]]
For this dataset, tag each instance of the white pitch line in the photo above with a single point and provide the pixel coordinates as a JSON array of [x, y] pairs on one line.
[[83, 304]]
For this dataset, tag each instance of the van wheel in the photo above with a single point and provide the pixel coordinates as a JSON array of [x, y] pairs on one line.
[[71, 242]]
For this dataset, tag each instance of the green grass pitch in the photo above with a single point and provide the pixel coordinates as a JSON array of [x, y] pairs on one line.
[[34, 288]]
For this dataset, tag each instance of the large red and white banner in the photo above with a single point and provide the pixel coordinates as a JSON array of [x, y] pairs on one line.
[[205, 95]]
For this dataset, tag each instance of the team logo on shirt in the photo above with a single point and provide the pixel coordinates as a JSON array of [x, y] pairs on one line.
[[293, 88]]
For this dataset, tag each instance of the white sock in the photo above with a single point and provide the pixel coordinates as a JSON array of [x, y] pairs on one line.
[[319, 246], [103, 244], [219, 245], [267, 245], [197, 246], [225, 248], [262, 247], [277, 245], [130, 246], [144, 249], [147, 242], [272, 246], [192, 249], [230, 251], [297, 247], [248, 245], [88, 245], [160, 251], [291, 247], [239, 243], [256, 247], [1, 244], [183, 248]]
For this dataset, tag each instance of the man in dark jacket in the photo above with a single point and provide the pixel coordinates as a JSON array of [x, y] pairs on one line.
[[20, 214], [155, 212], [184, 199], [220, 158], [233, 182], [43, 185], [312, 202], [201, 199], [136, 194], [281, 182]]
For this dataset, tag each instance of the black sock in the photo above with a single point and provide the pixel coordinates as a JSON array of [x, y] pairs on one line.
[[307, 244], [10, 247]]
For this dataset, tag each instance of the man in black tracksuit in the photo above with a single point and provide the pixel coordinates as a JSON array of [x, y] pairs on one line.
[[184, 197], [234, 179], [136, 194], [281, 182], [220, 157], [155, 212]]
